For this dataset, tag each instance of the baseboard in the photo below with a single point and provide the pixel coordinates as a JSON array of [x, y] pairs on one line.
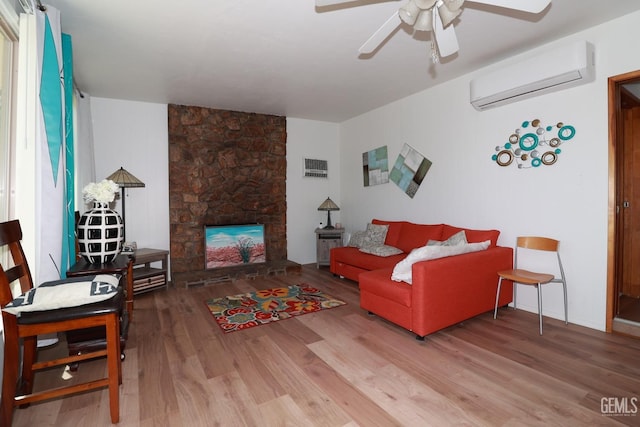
[[625, 327]]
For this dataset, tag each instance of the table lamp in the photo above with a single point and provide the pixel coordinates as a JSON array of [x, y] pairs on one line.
[[125, 179], [328, 205]]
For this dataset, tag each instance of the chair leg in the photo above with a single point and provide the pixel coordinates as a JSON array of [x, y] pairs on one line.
[[566, 310], [30, 346], [540, 305], [120, 353], [10, 370], [495, 310], [113, 363]]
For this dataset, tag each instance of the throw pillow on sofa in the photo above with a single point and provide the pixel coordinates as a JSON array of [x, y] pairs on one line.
[[382, 250], [460, 238], [402, 272], [357, 239], [375, 235]]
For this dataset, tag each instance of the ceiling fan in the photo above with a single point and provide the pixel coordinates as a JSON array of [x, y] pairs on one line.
[[435, 16]]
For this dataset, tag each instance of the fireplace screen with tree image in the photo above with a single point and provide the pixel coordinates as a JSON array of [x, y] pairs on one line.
[[231, 245]]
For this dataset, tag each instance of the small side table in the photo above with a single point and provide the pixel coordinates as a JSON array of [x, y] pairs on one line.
[[123, 264], [145, 277], [325, 240]]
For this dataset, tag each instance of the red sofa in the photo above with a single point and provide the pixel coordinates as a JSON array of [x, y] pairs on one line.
[[444, 292]]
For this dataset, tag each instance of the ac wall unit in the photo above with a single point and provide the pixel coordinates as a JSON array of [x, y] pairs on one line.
[[552, 70]]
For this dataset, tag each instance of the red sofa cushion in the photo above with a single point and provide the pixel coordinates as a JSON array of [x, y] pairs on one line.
[[473, 236], [393, 233], [352, 256], [407, 236], [417, 235], [379, 283]]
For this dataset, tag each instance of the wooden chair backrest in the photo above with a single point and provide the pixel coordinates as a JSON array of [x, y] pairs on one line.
[[538, 243], [10, 236]]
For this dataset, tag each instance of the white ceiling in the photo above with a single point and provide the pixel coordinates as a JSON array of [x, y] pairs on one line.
[[285, 57]]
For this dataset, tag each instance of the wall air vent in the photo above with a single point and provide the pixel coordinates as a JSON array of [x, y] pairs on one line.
[[316, 168]]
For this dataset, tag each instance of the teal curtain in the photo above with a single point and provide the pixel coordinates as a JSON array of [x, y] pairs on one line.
[[51, 99], [55, 219], [69, 220]]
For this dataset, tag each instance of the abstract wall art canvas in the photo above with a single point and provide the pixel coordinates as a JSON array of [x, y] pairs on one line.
[[375, 167], [409, 170]]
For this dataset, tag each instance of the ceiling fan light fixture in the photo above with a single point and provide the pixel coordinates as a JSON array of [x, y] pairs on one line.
[[453, 5], [409, 12], [424, 21], [425, 4], [444, 41], [448, 16]]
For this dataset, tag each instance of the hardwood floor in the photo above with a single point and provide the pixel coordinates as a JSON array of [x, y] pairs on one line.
[[341, 367]]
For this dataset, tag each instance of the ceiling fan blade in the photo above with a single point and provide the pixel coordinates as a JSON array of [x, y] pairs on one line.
[[381, 34], [446, 38], [532, 6]]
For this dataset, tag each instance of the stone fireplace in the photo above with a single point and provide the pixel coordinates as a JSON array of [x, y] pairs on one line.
[[225, 167]]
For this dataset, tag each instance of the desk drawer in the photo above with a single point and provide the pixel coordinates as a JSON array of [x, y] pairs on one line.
[[148, 283]]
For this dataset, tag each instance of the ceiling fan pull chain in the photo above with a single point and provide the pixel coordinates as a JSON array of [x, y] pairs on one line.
[[435, 58]]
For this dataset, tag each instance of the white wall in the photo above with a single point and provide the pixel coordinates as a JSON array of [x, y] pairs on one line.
[[312, 140], [567, 201], [134, 135]]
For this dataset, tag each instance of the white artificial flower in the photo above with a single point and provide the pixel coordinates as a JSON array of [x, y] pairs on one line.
[[101, 192]]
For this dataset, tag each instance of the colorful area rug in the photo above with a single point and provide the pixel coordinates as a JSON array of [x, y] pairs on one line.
[[237, 312]]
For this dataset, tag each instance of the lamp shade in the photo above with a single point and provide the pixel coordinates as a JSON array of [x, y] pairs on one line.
[[328, 205], [125, 179]]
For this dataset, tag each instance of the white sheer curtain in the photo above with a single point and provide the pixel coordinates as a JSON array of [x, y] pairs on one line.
[[85, 160], [45, 145], [41, 149]]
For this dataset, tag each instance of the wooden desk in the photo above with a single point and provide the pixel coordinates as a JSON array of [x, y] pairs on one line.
[[123, 264]]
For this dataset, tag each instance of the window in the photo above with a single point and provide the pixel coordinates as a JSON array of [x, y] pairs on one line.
[[8, 42], [8, 48]]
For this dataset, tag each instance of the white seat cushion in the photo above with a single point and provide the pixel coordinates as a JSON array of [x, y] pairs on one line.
[[65, 293]]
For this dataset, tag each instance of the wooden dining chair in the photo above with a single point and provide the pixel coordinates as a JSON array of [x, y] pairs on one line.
[[26, 325], [531, 278]]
